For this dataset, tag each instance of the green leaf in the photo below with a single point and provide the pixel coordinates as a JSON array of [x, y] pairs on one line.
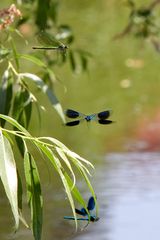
[[67, 162], [5, 94], [15, 53], [75, 191], [13, 122], [33, 59], [20, 191], [8, 175], [34, 194], [45, 89], [72, 60], [60, 170], [4, 52], [42, 13], [53, 10], [22, 113]]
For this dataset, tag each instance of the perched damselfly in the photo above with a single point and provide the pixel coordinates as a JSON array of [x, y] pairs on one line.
[[100, 117], [48, 42], [87, 216]]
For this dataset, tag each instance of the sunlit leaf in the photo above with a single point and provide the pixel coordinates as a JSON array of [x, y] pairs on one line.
[[15, 124], [67, 150], [34, 194], [32, 59], [67, 162], [4, 52], [8, 175], [45, 89], [58, 167], [75, 190]]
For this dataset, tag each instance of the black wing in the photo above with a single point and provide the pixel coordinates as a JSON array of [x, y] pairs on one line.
[[103, 121], [104, 114], [73, 123], [82, 212], [72, 114], [91, 204]]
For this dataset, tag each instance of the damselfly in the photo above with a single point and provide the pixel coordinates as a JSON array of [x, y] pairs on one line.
[[48, 42], [100, 117], [86, 217]]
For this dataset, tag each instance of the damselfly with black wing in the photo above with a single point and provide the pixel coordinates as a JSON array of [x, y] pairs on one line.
[[86, 217], [101, 117]]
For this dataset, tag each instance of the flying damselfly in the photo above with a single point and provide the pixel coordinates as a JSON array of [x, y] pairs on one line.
[[48, 42], [100, 117], [86, 217]]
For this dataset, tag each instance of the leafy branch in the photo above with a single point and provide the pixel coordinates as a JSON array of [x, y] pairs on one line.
[[16, 103], [61, 159]]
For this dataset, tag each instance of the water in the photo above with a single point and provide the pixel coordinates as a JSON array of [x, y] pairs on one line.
[[129, 197]]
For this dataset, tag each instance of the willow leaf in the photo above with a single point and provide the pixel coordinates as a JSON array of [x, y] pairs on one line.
[[46, 90], [33, 59], [58, 167], [34, 194], [8, 175], [5, 94]]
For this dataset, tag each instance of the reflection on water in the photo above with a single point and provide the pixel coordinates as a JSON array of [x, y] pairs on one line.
[[129, 197]]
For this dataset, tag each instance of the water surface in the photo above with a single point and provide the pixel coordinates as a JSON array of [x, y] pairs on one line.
[[129, 197]]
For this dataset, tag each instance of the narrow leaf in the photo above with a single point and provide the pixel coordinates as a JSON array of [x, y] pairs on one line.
[[32, 59], [5, 94], [45, 89], [8, 175], [72, 60], [15, 124], [34, 194], [58, 167]]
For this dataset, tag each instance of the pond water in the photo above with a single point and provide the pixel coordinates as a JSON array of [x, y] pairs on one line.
[[129, 197]]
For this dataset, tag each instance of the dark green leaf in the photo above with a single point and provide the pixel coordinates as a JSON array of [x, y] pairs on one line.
[[20, 191], [84, 62], [34, 194], [53, 10], [72, 60], [5, 94], [15, 54], [22, 107], [42, 13]]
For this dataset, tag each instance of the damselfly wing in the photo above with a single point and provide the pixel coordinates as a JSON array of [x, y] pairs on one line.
[[101, 117], [83, 212], [48, 42]]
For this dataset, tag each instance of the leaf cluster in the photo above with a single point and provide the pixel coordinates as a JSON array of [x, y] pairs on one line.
[[16, 107]]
